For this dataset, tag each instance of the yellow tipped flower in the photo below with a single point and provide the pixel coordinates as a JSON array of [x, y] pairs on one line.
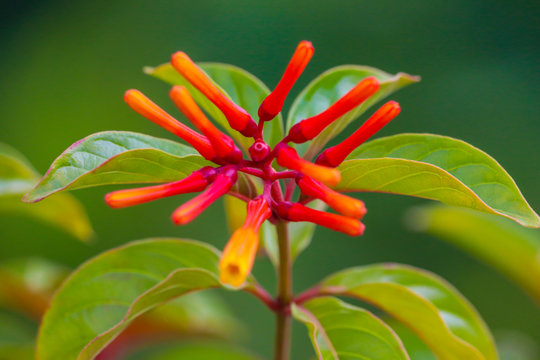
[[239, 254]]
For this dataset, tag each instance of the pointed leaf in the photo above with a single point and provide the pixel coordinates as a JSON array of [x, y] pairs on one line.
[[424, 302], [17, 177], [104, 295], [505, 245], [243, 88], [117, 157], [340, 331], [438, 168], [331, 85]]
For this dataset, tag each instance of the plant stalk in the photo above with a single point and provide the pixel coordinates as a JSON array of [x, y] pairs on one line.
[[284, 296]]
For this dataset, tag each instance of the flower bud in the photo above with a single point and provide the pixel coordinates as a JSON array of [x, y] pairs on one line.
[[297, 212], [259, 150], [238, 118], [272, 104], [343, 204], [309, 128], [222, 144], [288, 157], [145, 107], [335, 155]]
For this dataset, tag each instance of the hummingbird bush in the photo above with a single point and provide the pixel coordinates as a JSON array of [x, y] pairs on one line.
[[284, 180]]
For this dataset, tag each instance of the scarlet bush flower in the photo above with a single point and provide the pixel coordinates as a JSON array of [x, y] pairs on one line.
[[314, 179]]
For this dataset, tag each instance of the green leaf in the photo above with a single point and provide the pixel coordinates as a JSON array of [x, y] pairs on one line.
[[243, 88], [117, 157], [202, 350], [340, 331], [331, 85], [505, 245], [16, 337], [17, 177], [438, 168], [104, 295], [424, 302]]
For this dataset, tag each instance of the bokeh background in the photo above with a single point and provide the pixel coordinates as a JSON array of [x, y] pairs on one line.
[[65, 64]]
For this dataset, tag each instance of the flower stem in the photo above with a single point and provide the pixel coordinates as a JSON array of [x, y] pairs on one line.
[[284, 296]]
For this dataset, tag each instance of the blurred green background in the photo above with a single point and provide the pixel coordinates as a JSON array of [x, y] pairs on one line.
[[66, 64]]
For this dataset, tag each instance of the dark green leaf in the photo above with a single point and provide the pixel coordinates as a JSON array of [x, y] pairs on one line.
[[505, 245], [331, 85], [340, 331], [242, 87], [438, 168], [425, 303], [117, 157], [104, 295]]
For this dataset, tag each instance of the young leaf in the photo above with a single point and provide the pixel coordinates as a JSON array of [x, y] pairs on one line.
[[340, 331], [438, 168], [331, 85], [17, 177], [202, 350], [104, 295], [117, 157], [243, 88], [427, 304], [508, 247]]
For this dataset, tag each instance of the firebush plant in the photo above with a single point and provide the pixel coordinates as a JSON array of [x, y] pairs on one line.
[[279, 181]]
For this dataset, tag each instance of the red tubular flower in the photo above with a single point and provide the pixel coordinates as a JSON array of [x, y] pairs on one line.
[[343, 204], [238, 118], [288, 157], [239, 254], [145, 107], [222, 144], [298, 212], [336, 154], [309, 128], [221, 185], [197, 181], [272, 104]]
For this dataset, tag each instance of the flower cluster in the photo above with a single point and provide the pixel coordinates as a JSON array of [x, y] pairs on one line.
[[314, 179]]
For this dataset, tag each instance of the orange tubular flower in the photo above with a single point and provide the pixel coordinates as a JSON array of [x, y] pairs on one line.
[[343, 204], [239, 254], [222, 144], [272, 104], [238, 118], [336, 154], [288, 157], [298, 212], [122, 198], [190, 210], [145, 107], [309, 128]]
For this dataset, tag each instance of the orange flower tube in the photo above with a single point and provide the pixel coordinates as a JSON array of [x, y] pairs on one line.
[[288, 157], [239, 253]]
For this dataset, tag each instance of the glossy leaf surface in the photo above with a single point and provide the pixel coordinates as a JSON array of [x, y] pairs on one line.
[[17, 177], [438, 168], [340, 331], [243, 88], [425, 303], [117, 157], [104, 295], [508, 247], [331, 85]]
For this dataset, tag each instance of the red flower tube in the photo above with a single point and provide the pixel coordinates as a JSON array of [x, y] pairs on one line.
[[272, 104], [221, 185], [343, 204], [238, 118], [297, 212], [145, 107], [309, 128], [288, 157], [336, 154], [222, 144], [239, 254]]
